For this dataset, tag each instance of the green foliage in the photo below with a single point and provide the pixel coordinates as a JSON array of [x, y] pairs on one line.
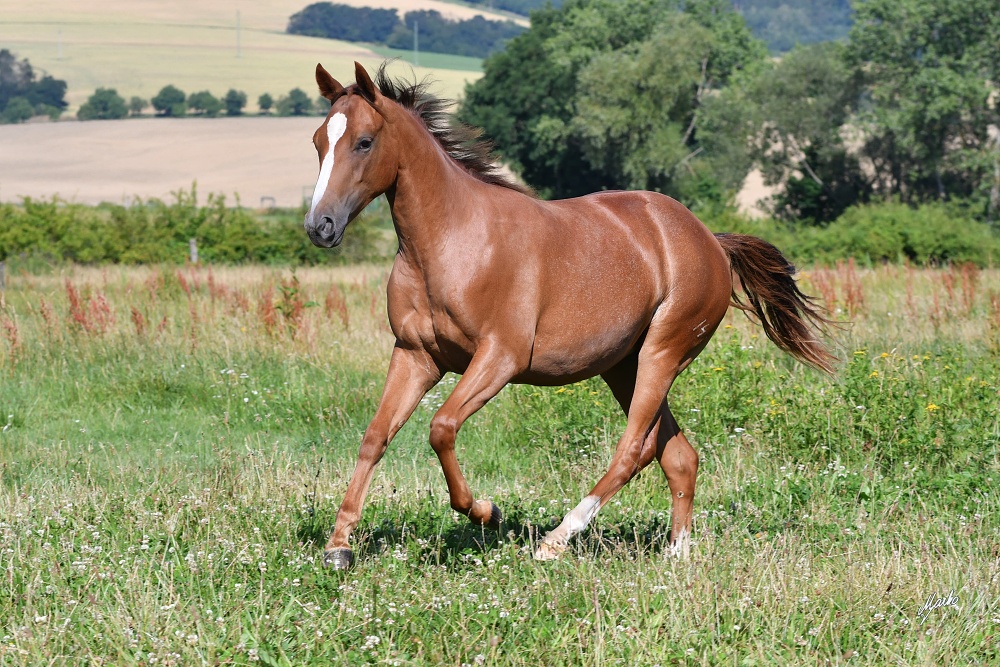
[[351, 24], [204, 103], [104, 104], [930, 234], [170, 101], [234, 101], [786, 118], [18, 110], [784, 24], [471, 37], [296, 103], [477, 36], [20, 86], [601, 94], [155, 232], [265, 102], [136, 105], [522, 7], [928, 69]]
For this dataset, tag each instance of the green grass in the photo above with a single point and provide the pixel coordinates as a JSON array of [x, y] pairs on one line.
[[165, 495]]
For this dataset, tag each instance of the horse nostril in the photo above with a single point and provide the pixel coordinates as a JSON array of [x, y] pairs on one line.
[[326, 228]]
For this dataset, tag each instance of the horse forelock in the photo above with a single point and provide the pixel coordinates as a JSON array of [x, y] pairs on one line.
[[463, 143]]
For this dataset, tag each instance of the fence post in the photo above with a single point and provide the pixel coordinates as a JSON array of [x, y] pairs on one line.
[[193, 245]]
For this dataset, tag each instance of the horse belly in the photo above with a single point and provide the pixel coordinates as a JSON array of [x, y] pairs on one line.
[[575, 348]]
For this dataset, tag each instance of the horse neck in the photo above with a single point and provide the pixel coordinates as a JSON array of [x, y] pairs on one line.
[[430, 194]]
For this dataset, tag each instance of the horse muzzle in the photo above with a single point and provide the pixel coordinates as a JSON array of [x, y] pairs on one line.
[[325, 232]]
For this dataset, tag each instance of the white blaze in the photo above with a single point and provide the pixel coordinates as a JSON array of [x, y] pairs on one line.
[[335, 129]]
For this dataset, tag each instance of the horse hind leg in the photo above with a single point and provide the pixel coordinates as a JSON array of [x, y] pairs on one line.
[[640, 385], [638, 446], [679, 462]]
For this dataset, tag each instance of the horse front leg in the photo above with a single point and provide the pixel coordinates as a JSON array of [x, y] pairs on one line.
[[490, 370], [411, 374]]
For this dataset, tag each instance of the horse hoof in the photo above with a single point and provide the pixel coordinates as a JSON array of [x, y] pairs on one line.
[[493, 523], [339, 559], [549, 551]]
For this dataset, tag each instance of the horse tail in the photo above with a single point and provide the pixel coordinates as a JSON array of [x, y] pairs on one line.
[[790, 318]]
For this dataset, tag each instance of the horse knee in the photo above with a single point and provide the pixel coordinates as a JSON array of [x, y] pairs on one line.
[[443, 432]]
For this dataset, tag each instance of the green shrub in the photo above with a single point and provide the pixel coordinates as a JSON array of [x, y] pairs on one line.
[[156, 232], [884, 232], [104, 104]]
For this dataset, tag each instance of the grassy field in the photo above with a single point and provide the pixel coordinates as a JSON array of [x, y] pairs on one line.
[[137, 48], [175, 444]]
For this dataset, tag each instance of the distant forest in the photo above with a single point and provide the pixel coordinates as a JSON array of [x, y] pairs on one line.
[[780, 23], [476, 37], [785, 23]]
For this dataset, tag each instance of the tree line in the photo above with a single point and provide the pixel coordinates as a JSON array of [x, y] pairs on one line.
[[107, 104], [24, 94], [476, 37], [681, 98]]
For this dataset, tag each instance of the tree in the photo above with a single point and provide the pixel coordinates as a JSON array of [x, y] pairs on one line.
[[170, 101], [597, 94], [18, 81], [104, 104], [136, 105], [930, 71], [234, 100], [264, 103], [204, 103], [321, 106], [789, 119], [18, 110], [337, 21], [296, 103]]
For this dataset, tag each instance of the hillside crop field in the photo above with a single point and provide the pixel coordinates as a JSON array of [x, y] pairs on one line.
[[138, 48], [175, 443]]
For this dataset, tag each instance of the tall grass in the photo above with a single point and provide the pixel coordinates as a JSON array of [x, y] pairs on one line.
[[175, 442]]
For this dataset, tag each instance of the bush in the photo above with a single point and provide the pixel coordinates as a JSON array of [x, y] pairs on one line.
[[235, 100], [170, 101], [204, 103], [104, 104], [136, 105], [296, 103], [874, 233], [18, 110], [156, 232], [264, 103]]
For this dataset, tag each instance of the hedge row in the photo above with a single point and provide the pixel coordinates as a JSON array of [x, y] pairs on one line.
[[931, 234], [156, 232]]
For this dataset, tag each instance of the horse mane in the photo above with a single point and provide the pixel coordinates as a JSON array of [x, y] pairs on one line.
[[463, 143]]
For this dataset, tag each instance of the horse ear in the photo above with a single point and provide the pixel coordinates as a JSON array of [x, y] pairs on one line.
[[365, 84], [329, 87]]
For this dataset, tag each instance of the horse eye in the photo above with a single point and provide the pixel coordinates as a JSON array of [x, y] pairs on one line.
[[364, 144]]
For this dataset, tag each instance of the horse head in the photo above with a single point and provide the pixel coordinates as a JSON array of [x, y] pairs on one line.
[[355, 155]]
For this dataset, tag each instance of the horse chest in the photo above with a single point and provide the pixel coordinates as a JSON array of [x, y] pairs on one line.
[[421, 319]]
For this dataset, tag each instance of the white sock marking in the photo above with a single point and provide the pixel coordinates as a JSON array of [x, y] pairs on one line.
[[335, 129], [578, 518]]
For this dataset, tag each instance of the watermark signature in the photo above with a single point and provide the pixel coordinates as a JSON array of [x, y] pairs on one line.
[[933, 603]]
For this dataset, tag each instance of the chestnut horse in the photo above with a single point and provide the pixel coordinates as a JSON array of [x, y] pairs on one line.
[[499, 286]]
